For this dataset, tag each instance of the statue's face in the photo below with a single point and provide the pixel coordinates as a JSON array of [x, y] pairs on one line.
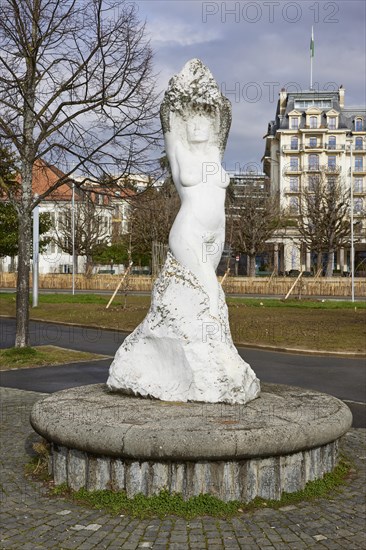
[[198, 129]]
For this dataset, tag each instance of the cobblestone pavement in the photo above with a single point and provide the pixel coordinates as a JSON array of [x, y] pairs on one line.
[[31, 520]]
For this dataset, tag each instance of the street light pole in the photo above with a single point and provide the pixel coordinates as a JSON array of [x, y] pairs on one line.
[[351, 219], [73, 235], [35, 254]]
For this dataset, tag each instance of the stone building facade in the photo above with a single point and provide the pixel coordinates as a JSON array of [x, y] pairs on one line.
[[314, 132]]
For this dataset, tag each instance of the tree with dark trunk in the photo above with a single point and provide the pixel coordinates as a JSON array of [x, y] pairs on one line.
[[151, 217], [77, 91], [323, 221], [253, 217]]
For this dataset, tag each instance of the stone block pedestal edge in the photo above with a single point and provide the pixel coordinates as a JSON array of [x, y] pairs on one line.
[[240, 480], [274, 444]]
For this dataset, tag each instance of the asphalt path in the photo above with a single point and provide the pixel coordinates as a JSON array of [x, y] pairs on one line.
[[344, 378]]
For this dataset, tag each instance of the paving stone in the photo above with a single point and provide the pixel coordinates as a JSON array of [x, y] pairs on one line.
[[32, 520]]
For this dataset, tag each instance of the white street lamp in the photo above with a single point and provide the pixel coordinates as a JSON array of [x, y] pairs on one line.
[[35, 253], [350, 141], [73, 235]]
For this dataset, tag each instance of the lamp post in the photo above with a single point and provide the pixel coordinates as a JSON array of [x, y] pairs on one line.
[[350, 141], [35, 254], [73, 235]]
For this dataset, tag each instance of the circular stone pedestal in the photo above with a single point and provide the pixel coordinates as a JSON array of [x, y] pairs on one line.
[[276, 443]]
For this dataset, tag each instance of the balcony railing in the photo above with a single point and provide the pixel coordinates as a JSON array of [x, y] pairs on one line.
[[331, 147], [332, 169]]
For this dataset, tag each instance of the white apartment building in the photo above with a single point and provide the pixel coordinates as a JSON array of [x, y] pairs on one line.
[[112, 208], [315, 132]]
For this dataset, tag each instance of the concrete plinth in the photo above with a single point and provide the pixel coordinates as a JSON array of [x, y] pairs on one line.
[[276, 443]]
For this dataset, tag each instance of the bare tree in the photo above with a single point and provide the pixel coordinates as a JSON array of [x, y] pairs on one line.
[[323, 220], [92, 229], [253, 216], [152, 216], [76, 90]]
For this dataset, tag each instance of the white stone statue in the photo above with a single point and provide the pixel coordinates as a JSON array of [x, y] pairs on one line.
[[183, 350]]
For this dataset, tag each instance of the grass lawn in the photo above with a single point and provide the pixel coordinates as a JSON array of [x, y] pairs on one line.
[[329, 326], [41, 356]]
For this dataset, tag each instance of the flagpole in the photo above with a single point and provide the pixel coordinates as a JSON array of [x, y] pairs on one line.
[[311, 57]]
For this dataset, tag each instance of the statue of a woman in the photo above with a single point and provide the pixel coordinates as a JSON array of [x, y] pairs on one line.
[[183, 350], [196, 119]]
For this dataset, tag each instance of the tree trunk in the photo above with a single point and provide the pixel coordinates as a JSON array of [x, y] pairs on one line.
[[251, 265], [22, 300], [330, 260], [319, 261]]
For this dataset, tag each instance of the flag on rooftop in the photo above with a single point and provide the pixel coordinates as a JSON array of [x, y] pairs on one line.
[[312, 43]]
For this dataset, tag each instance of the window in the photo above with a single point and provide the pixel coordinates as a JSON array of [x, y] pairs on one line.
[[313, 121], [294, 143], [294, 184], [358, 185], [294, 163], [359, 143], [313, 162], [313, 182], [358, 164], [358, 205], [313, 142], [332, 162], [332, 122], [294, 205], [52, 216], [305, 104], [358, 124], [332, 183], [332, 141], [294, 123]]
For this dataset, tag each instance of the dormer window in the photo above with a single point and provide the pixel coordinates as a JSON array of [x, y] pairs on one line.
[[332, 122], [294, 123], [358, 124], [313, 122]]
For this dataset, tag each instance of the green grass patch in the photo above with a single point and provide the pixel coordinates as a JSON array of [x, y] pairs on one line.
[[166, 504], [304, 303], [143, 300], [42, 356], [333, 326]]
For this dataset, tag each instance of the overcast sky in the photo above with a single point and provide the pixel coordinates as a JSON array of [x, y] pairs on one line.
[[255, 48]]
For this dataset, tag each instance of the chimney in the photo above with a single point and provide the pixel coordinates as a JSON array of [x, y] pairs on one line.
[[341, 96], [283, 100]]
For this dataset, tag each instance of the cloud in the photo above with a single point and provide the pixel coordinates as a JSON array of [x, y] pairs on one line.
[[267, 54], [167, 31]]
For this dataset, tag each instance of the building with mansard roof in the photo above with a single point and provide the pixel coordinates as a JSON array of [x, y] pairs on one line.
[[315, 134]]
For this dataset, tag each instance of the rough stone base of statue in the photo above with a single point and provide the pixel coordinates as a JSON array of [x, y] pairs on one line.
[[180, 352], [276, 443]]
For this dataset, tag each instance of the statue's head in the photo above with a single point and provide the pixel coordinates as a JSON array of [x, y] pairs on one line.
[[194, 97]]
